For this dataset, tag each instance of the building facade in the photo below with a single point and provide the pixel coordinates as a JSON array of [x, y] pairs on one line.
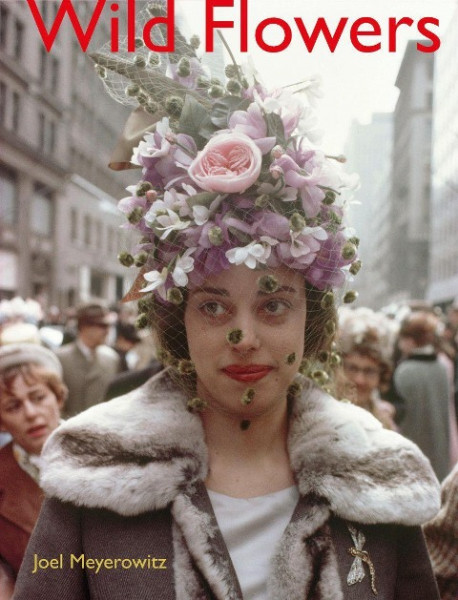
[[443, 260], [59, 226], [410, 194]]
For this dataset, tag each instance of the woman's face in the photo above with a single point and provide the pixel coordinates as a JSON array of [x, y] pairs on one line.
[[30, 413], [270, 350], [364, 372]]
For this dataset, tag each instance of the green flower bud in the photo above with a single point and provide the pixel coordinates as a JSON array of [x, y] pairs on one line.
[[355, 267], [248, 396], [139, 43], [327, 301], [234, 336], [330, 328], [154, 59], [262, 201], [215, 235], [186, 367], [291, 358], [184, 67], [349, 251], [142, 321], [297, 222], [329, 198], [215, 81], [245, 83], [203, 82], [145, 303], [101, 71], [355, 240], [142, 188], [156, 9], [234, 87], [132, 90], [175, 296], [140, 259], [323, 356], [135, 216], [294, 389], [174, 106], [268, 284], [142, 98], [126, 259], [320, 377], [194, 41], [231, 70], [216, 91], [245, 424], [335, 360], [151, 107], [350, 297], [196, 404], [163, 356], [139, 61], [304, 367]]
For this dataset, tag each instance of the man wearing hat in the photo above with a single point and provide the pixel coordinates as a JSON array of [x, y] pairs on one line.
[[88, 364]]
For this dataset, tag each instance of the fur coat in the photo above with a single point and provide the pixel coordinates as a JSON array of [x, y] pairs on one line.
[[126, 480]]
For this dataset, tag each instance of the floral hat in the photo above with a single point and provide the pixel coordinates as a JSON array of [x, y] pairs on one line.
[[231, 175]]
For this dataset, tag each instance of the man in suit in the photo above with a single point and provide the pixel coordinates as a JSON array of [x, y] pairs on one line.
[[88, 364]]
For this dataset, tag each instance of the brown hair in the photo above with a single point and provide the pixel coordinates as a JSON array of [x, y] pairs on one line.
[[33, 373], [421, 327]]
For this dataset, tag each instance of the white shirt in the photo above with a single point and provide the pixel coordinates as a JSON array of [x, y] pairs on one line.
[[252, 528]]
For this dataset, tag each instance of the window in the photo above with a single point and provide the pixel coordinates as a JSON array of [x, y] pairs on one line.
[[73, 225], [97, 280], [3, 91], [41, 131], [4, 14], [8, 195], [18, 38], [41, 213], [46, 134], [54, 73], [16, 110], [43, 64], [87, 230]]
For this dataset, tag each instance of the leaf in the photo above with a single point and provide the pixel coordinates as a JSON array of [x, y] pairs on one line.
[[194, 117], [275, 128], [224, 107], [202, 199], [242, 237]]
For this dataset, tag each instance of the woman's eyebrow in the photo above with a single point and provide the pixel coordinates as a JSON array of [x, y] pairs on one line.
[[211, 290], [283, 288]]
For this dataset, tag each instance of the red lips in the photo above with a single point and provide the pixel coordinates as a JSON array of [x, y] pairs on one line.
[[37, 431], [247, 373]]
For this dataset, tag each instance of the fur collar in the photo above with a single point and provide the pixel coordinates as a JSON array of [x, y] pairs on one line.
[[138, 452]]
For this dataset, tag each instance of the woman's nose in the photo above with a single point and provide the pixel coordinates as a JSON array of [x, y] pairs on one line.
[[245, 336]]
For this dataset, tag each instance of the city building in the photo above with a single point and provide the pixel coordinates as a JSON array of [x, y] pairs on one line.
[[368, 151], [59, 226], [410, 194], [443, 260]]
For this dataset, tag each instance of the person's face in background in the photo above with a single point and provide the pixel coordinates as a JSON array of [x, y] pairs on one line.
[[30, 412], [272, 329], [364, 373], [93, 335]]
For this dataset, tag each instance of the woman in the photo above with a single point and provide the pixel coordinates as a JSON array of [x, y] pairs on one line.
[[31, 396], [366, 341], [229, 475]]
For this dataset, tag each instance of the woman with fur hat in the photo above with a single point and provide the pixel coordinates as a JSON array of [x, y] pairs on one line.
[[31, 397], [232, 474]]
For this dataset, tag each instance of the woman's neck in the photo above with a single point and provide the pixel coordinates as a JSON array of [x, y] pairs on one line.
[[247, 462]]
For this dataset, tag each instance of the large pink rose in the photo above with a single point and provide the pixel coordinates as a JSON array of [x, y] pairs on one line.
[[229, 163]]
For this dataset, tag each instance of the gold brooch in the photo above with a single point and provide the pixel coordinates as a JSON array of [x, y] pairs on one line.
[[356, 573]]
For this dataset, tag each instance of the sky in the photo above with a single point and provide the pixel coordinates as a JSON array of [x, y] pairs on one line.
[[355, 84]]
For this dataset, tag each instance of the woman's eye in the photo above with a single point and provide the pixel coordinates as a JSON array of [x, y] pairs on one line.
[[12, 407], [213, 309], [275, 307]]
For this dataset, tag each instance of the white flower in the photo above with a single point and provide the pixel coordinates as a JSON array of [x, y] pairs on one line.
[[170, 222], [200, 214], [252, 254], [312, 88], [157, 281], [183, 265], [305, 243]]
